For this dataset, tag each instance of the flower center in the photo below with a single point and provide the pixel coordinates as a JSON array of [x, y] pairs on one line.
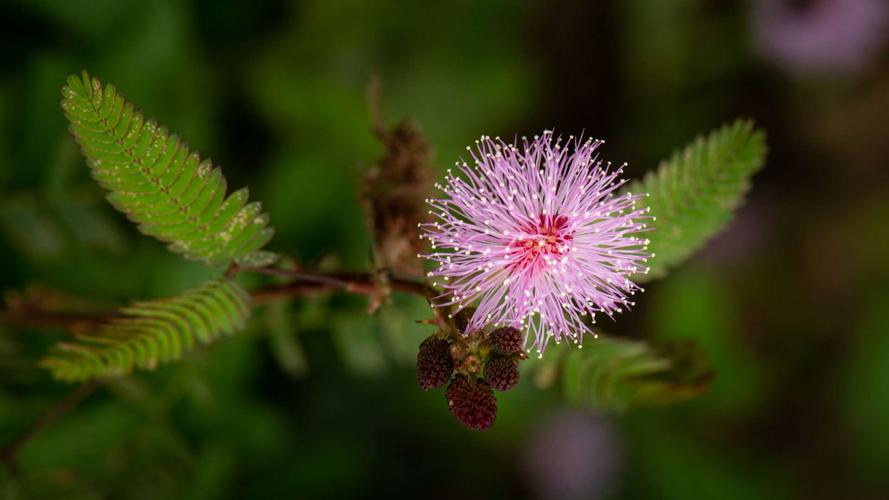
[[549, 239]]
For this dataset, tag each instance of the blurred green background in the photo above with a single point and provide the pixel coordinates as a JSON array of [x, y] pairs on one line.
[[319, 400]]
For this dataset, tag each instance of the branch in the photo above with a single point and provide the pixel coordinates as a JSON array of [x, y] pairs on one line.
[[302, 284], [41, 308], [9, 452], [74, 323]]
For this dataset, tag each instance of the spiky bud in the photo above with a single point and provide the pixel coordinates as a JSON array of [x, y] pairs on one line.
[[461, 319], [472, 402], [502, 372], [507, 341], [434, 363]]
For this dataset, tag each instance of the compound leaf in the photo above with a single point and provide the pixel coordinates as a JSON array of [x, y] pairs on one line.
[[153, 332], [694, 194], [162, 186]]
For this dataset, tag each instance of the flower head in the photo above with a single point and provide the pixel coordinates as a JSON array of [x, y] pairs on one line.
[[535, 234]]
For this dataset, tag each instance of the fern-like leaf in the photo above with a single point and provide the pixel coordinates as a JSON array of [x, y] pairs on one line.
[[614, 374], [693, 195], [153, 332], [158, 183]]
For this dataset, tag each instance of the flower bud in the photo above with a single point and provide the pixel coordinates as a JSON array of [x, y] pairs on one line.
[[502, 372], [507, 341], [472, 402], [434, 363]]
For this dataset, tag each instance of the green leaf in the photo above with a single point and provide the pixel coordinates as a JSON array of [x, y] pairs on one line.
[[613, 374], [153, 332], [694, 194], [158, 183]]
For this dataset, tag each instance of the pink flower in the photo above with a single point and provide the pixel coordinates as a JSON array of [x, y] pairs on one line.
[[537, 236]]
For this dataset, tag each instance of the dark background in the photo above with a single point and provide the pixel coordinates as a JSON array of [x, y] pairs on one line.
[[791, 303]]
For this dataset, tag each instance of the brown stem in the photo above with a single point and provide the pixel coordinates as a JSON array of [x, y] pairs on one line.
[[302, 283], [75, 323], [9, 452]]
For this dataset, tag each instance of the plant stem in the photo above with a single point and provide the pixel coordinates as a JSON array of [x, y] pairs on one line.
[[302, 283], [74, 323]]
